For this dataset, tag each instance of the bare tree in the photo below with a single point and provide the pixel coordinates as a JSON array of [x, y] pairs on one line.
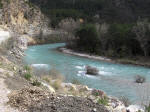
[[141, 30]]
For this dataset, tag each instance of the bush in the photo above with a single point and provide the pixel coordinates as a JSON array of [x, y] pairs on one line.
[[98, 93], [47, 79], [57, 85], [36, 83], [140, 79], [103, 101], [27, 68], [27, 76]]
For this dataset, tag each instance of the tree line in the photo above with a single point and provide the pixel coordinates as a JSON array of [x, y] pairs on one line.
[[120, 40]]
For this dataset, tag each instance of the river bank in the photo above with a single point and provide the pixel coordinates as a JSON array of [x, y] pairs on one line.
[[15, 76], [15, 54], [144, 62]]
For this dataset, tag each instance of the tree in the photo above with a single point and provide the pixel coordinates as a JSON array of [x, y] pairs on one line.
[[87, 38], [142, 31]]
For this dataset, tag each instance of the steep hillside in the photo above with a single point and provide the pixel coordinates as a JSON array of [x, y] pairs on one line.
[[21, 16], [121, 11]]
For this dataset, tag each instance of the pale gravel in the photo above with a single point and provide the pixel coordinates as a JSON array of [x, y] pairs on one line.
[[4, 91], [85, 55]]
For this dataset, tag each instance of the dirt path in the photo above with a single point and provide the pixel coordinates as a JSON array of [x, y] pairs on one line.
[[4, 91]]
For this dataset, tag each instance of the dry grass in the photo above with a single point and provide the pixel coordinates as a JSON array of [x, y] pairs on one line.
[[125, 101], [57, 85], [48, 79], [54, 74], [76, 81], [54, 78]]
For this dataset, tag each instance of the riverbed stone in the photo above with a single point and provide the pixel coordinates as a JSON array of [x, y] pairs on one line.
[[92, 70]]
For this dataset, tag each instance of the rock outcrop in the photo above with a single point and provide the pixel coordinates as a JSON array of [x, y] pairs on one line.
[[22, 17]]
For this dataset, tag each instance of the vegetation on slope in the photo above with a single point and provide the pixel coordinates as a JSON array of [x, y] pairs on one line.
[[116, 25], [120, 11]]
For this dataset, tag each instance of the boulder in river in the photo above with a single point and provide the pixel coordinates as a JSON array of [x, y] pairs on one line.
[[92, 70]]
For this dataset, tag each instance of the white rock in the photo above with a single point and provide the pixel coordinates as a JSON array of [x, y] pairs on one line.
[[4, 35], [135, 108]]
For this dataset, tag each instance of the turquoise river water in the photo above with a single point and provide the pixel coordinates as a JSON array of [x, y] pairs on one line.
[[115, 79]]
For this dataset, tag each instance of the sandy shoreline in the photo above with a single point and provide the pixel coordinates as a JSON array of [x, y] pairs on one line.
[[69, 51], [101, 58]]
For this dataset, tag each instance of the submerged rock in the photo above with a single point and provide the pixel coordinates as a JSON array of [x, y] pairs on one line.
[[92, 70]]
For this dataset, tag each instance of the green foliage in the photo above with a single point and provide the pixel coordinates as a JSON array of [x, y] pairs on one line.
[[1, 5], [60, 9], [28, 76], [109, 10], [57, 15], [36, 83], [147, 108], [120, 39], [103, 101], [120, 30], [118, 42], [27, 68], [87, 38]]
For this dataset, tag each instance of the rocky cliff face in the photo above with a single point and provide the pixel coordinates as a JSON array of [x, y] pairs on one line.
[[22, 17]]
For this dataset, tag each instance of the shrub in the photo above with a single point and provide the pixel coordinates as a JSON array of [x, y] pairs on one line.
[[27, 68], [125, 101], [103, 101], [47, 79], [36, 83], [57, 84], [100, 93], [27, 76], [140, 79]]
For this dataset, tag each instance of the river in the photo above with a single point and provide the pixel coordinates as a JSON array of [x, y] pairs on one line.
[[115, 79]]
